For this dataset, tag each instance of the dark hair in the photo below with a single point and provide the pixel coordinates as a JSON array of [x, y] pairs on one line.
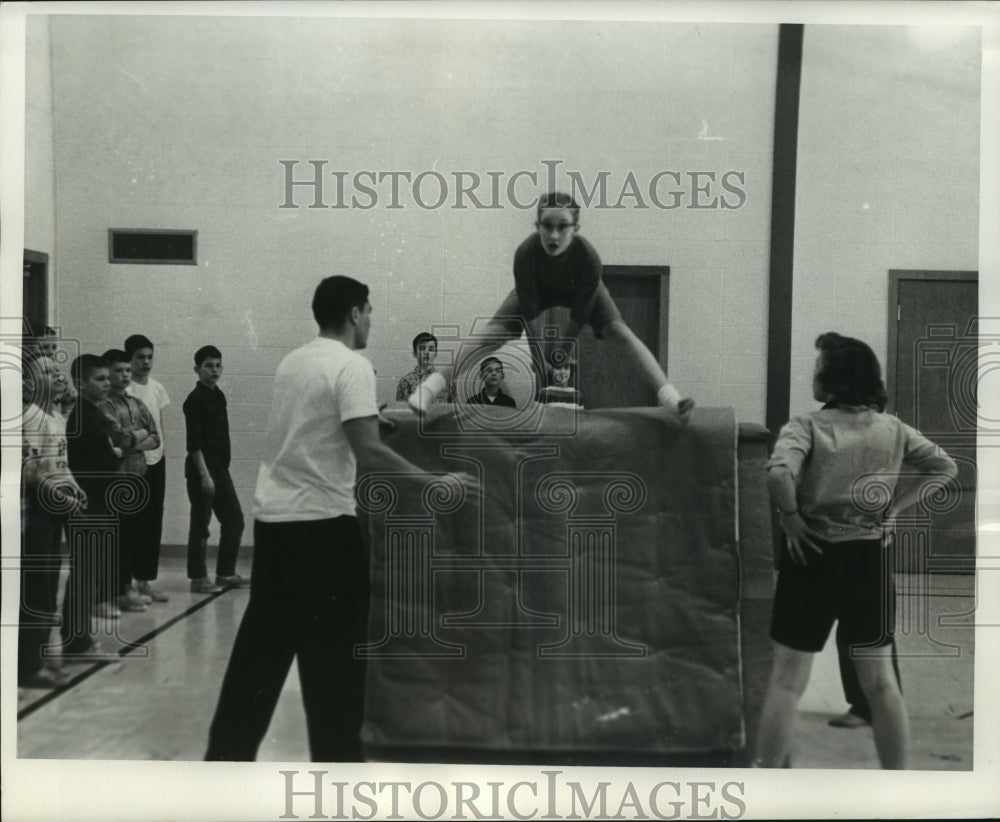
[[113, 356], [135, 342], [497, 360], [334, 298], [86, 364], [423, 336], [206, 352], [849, 371], [558, 199]]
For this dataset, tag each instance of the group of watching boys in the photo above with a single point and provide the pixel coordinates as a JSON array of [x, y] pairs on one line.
[[111, 470]]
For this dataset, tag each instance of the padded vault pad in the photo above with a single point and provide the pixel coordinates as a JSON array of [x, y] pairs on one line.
[[587, 601]]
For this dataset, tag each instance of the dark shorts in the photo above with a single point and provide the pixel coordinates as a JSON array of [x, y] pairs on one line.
[[850, 583], [515, 320]]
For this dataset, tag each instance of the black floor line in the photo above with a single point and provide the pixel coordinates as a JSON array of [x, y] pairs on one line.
[[55, 693]]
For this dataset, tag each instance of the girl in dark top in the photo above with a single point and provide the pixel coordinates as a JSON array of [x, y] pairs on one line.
[[555, 266]]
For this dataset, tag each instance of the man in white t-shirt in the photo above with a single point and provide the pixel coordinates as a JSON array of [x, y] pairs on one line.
[[149, 528], [310, 589]]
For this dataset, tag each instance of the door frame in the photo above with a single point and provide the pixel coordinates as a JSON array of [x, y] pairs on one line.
[[662, 272], [33, 258], [897, 275]]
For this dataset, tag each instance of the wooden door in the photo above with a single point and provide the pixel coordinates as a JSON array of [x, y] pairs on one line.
[[932, 381], [35, 293], [605, 375]]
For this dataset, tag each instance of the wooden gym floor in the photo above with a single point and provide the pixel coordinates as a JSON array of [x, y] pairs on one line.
[[154, 697]]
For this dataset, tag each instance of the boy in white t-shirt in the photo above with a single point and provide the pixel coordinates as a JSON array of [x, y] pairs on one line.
[[310, 589], [149, 527]]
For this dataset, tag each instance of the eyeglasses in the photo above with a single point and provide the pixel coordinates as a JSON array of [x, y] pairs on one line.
[[555, 227]]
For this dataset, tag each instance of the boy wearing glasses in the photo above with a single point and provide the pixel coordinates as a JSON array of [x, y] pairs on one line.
[[556, 266]]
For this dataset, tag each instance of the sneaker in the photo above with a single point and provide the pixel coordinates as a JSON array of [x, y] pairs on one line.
[[107, 610], [134, 593], [204, 586], [128, 602], [849, 720], [93, 651], [147, 590], [47, 678], [233, 581]]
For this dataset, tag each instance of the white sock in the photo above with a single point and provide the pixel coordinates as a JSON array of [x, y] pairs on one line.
[[668, 396], [430, 387]]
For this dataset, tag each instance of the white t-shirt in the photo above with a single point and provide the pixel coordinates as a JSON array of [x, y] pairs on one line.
[[309, 468], [154, 395]]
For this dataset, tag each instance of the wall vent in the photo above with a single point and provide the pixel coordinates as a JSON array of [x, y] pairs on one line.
[[152, 246]]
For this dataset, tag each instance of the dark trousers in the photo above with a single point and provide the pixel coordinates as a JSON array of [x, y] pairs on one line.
[[129, 536], [41, 563], [226, 506], [853, 692], [308, 600], [149, 525], [92, 537]]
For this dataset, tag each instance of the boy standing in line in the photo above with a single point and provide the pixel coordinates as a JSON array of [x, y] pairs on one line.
[[209, 485], [133, 431], [48, 494], [150, 520], [94, 462]]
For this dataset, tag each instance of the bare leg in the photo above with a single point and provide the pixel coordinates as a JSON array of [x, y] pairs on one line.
[[789, 677], [889, 721], [618, 332]]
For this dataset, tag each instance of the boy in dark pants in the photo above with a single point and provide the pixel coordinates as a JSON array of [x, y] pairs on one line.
[[134, 432], [154, 395], [95, 463], [48, 493], [206, 472]]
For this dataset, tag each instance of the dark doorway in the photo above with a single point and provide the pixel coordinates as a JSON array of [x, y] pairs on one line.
[[35, 294], [932, 375], [606, 378]]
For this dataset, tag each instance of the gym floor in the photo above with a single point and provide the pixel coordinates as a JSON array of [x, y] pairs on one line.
[[153, 697]]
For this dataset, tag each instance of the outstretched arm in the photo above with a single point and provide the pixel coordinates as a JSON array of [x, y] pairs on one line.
[[374, 455]]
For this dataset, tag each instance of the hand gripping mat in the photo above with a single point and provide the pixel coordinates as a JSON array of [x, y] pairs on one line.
[[587, 602]]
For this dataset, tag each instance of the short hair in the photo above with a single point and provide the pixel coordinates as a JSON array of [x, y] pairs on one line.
[[849, 371], [135, 342], [30, 367], [86, 364], [113, 356], [424, 336], [334, 298], [558, 199], [206, 352], [484, 363]]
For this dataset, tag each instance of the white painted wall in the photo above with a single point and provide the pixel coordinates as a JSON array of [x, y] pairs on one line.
[[39, 172], [888, 176], [140, 122]]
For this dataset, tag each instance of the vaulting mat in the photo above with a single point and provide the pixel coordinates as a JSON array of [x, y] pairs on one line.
[[587, 602]]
